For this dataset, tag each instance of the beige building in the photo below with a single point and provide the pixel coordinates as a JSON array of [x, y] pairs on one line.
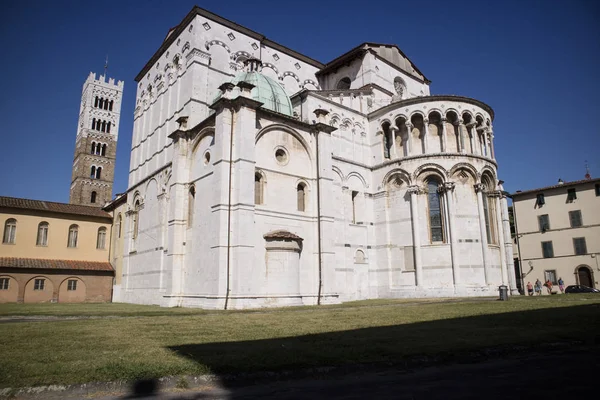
[[558, 233], [118, 209], [54, 252]]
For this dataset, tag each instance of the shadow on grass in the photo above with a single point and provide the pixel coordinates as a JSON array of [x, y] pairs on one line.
[[471, 340]]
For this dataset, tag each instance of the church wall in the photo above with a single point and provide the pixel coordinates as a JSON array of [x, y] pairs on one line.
[[384, 74]]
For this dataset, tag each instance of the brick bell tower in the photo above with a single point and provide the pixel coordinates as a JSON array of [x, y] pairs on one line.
[[96, 142]]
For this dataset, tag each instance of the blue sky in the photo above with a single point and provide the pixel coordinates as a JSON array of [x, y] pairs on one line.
[[537, 63]]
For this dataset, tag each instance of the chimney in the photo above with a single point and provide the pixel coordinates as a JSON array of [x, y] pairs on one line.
[[560, 181]]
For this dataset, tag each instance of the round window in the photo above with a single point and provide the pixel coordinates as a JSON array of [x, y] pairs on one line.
[[281, 156], [206, 158]]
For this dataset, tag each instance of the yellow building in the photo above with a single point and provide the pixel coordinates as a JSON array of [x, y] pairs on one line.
[[558, 233], [54, 252]]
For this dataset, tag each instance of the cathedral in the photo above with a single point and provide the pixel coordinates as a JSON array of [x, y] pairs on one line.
[[260, 177]]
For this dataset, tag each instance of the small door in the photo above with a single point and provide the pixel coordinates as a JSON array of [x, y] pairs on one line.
[[585, 277]]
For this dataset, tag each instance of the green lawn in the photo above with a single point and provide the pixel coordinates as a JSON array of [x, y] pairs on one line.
[[159, 342]]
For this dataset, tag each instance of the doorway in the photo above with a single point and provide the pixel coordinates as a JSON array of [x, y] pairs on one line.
[[584, 275]]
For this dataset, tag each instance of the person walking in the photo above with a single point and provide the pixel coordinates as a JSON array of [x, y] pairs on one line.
[[538, 287], [561, 285], [548, 285], [530, 288]]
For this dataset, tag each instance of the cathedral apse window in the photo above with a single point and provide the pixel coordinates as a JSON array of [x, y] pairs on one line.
[[436, 225]]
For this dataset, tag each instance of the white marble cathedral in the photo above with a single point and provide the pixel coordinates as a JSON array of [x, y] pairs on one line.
[[261, 177]]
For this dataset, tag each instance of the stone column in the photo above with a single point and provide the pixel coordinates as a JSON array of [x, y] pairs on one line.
[[484, 243], [444, 138], [472, 137], [508, 246], [448, 188], [393, 152], [409, 146], [461, 135], [425, 135], [493, 153], [503, 267], [486, 141], [414, 215]]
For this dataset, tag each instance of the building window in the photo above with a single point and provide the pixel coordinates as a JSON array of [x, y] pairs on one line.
[[98, 172], [101, 239], [39, 284], [93, 197], [540, 200], [4, 283], [436, 226], [571, 195], [575, 219], [344, 84], [544, 222], [550, 275], [597, 189], [73, 232], [580, 246], [547, 250], [301, 196], [93, 172], [72, 284], [489, 211], [96, 102], [191, 205], [259, 183], [93, 147], [10, 231], [354, 195], [103, 152], [42, 234]]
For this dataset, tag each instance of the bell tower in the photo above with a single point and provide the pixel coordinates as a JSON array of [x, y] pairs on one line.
[[96, 142]]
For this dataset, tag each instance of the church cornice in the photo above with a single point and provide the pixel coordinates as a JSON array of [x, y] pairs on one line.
[[428, 99]]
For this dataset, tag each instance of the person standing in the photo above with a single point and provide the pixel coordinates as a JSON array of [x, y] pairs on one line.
[[561, 285], [530, 288], [538, 287], [548, 285]]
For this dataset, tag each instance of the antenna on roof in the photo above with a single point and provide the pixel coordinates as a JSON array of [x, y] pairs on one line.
[[587, 171]]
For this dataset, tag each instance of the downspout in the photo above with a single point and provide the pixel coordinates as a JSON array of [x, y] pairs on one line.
[[320, 260], [518, 246], [229, 213]]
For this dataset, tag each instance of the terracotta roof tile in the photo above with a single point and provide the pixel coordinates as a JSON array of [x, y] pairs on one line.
[[281, 234], [565, 184], [63, 208], [12, 262]]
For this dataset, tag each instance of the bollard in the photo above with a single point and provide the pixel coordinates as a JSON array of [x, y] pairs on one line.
[[503, 289]]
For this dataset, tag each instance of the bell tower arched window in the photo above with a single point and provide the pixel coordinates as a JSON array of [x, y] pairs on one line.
[[93, 172], [434, 203]]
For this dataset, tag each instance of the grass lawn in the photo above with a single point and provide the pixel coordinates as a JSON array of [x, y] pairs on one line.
[[154, 342]]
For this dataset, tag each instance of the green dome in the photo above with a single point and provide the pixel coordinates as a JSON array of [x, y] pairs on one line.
[[265, 90]]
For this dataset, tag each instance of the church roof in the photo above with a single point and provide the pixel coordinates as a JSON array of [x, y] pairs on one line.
[[388, 52], [265, 90], [559, 185], [50, 206]]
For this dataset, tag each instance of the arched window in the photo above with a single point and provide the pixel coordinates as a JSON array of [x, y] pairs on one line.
[[93, 172], [93, 123], [96, 102], [73, 232], [301, 196], [42, 234], [101, 239], [103, 126], [436, 224], [106, 104], [110, 107], [136, 217], [93, 147], [98, 172], [489, 212], [103, 149], [119, 224], [101, 103], [93, 197], [344, 84], [191, 204], [10, 231], [98, 147], [258, 188], [108, 128]]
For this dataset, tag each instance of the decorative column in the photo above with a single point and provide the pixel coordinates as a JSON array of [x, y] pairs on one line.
[[495, 197], [414, 215], [409, 147], [472, 137], [447, 188], [461, 135], [484, 244], [493, 153], [425, 135], [393, 153], [444, 139], [486, 140]]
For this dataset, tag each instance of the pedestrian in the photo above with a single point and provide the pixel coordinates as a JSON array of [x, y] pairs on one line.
[[530, 288], [538, 287], [561, 285], [548, 285]]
